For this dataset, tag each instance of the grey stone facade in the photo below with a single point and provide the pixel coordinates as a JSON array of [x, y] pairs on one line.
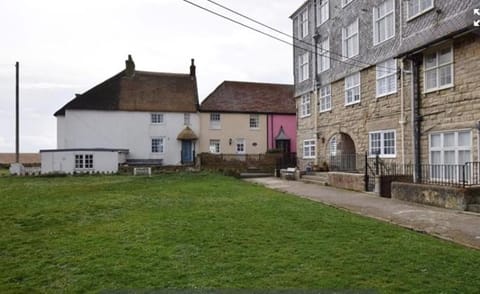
[[454, 108]]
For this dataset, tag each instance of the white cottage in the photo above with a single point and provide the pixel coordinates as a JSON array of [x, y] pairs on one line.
[[135, 117]]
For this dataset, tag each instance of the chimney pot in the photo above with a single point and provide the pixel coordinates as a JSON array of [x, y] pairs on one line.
[[193, 68], [129, 67]]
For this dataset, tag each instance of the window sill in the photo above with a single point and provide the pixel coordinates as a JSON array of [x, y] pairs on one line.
[[380, 43], [383, 156], [439, 89], [308, 157], [255, 129], [420, 13], [326, 110], [352, 103], [386, 94], [305, 116]]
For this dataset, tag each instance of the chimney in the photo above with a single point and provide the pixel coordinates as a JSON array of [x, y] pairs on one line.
[[192, 68], [129, 67]]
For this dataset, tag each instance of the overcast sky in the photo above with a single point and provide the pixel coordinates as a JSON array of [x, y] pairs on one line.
[[66, 47]]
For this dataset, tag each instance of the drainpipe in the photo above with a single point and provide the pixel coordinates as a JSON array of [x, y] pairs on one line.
[[402, 121], [417, 119]]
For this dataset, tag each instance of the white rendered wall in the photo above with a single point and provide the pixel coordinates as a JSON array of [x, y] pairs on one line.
[[60, 132], [64, 161], [124, 130]]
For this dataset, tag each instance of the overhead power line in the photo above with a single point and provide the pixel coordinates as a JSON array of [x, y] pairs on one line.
[[264, 33], [299, 40]]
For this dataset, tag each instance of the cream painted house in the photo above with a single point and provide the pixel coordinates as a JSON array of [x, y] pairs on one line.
[[245, 118]]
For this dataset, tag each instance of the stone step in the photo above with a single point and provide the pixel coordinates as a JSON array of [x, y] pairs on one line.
[[473, 207], [316, 182]]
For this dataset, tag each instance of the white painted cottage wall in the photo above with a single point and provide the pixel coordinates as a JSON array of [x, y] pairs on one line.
[[124, 130], [64, 161]]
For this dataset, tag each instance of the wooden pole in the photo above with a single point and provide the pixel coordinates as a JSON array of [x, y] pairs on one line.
[[17, 119]]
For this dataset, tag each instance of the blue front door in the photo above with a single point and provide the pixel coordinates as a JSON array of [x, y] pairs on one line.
[[187, 156]]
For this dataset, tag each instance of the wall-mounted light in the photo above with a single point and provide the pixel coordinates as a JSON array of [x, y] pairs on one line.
[[230, 141], [477, 125]]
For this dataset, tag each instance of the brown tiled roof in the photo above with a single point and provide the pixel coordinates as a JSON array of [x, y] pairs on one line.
[[247, 97], [145, 91], [8, 158]]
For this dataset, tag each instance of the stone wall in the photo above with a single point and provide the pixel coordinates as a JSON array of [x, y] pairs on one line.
[[440, 196], [349, 181]]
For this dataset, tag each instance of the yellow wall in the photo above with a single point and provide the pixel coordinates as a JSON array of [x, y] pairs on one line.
[[233, 126]]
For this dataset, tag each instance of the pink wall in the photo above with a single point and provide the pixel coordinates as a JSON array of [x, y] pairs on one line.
[[289, 123]]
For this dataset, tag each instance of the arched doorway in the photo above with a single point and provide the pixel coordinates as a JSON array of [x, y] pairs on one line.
[[342, 153]]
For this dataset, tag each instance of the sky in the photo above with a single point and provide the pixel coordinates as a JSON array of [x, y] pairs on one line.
[[66, 47]]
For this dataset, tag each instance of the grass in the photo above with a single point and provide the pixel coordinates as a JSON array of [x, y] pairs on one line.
[[4, 172], [203, 231]]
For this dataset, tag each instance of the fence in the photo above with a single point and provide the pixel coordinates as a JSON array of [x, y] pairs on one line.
[[240, 162], [458, 175]]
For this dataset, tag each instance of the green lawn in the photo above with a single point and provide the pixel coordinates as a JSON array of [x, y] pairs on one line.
[[203, 231]]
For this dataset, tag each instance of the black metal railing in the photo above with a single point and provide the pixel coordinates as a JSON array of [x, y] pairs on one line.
[[287, 160]]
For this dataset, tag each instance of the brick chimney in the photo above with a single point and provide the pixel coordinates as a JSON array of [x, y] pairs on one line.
[[192, 68], [129, 67]]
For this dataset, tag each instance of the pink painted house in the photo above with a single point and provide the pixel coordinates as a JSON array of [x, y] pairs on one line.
[[282, 132]]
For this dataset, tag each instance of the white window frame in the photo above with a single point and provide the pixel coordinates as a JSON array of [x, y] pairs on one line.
[[161, 145], [83, 161], [325, 98], [215, 121], [157, 118], [377, 21], [303, 23], [186, 119], [352, 87], [303, 67], [332, 146], [240, 142], [323, 55], [419, 12], [382, 144], [346, 2], [305, 105], [346, 38], [214, 146], [437, 67], [309, 149], [323, 11], [442, 149], [254, 121], [385, 71]]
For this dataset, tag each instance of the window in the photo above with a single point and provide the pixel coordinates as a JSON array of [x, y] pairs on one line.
[[350, 40], [157, 145], [83, 161], [186, 119], [305, 107], [448, 151], [332, 146], [254, 121], [383, 22], [240, 146], [323, 11], [325, 101], [352, 89], [303, 67], [417, 7], [215, 146], [309, 149], [382, 143], [303, 24], [157, 118], [346, 2], [323, 57], [215, 121], [439, 69], [386, 78]]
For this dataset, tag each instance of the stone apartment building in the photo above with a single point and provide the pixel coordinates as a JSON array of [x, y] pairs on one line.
[[397, 78]]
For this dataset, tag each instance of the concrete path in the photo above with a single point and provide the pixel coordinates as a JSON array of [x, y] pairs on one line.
[[456, 226]]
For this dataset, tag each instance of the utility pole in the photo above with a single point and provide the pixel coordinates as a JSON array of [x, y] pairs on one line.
[[17, 119]]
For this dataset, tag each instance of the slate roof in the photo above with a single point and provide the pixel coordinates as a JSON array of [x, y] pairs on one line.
[[145, 91], [248, 97]]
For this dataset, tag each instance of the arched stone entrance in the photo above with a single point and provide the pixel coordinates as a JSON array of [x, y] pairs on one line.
[[342, 153]]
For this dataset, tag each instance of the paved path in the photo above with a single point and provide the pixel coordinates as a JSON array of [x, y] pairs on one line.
[[456, 226]]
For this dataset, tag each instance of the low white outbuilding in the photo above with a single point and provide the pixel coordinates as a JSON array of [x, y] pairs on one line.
[[71, 161]]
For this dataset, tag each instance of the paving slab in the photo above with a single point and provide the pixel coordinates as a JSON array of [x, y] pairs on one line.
[[457, 226]]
